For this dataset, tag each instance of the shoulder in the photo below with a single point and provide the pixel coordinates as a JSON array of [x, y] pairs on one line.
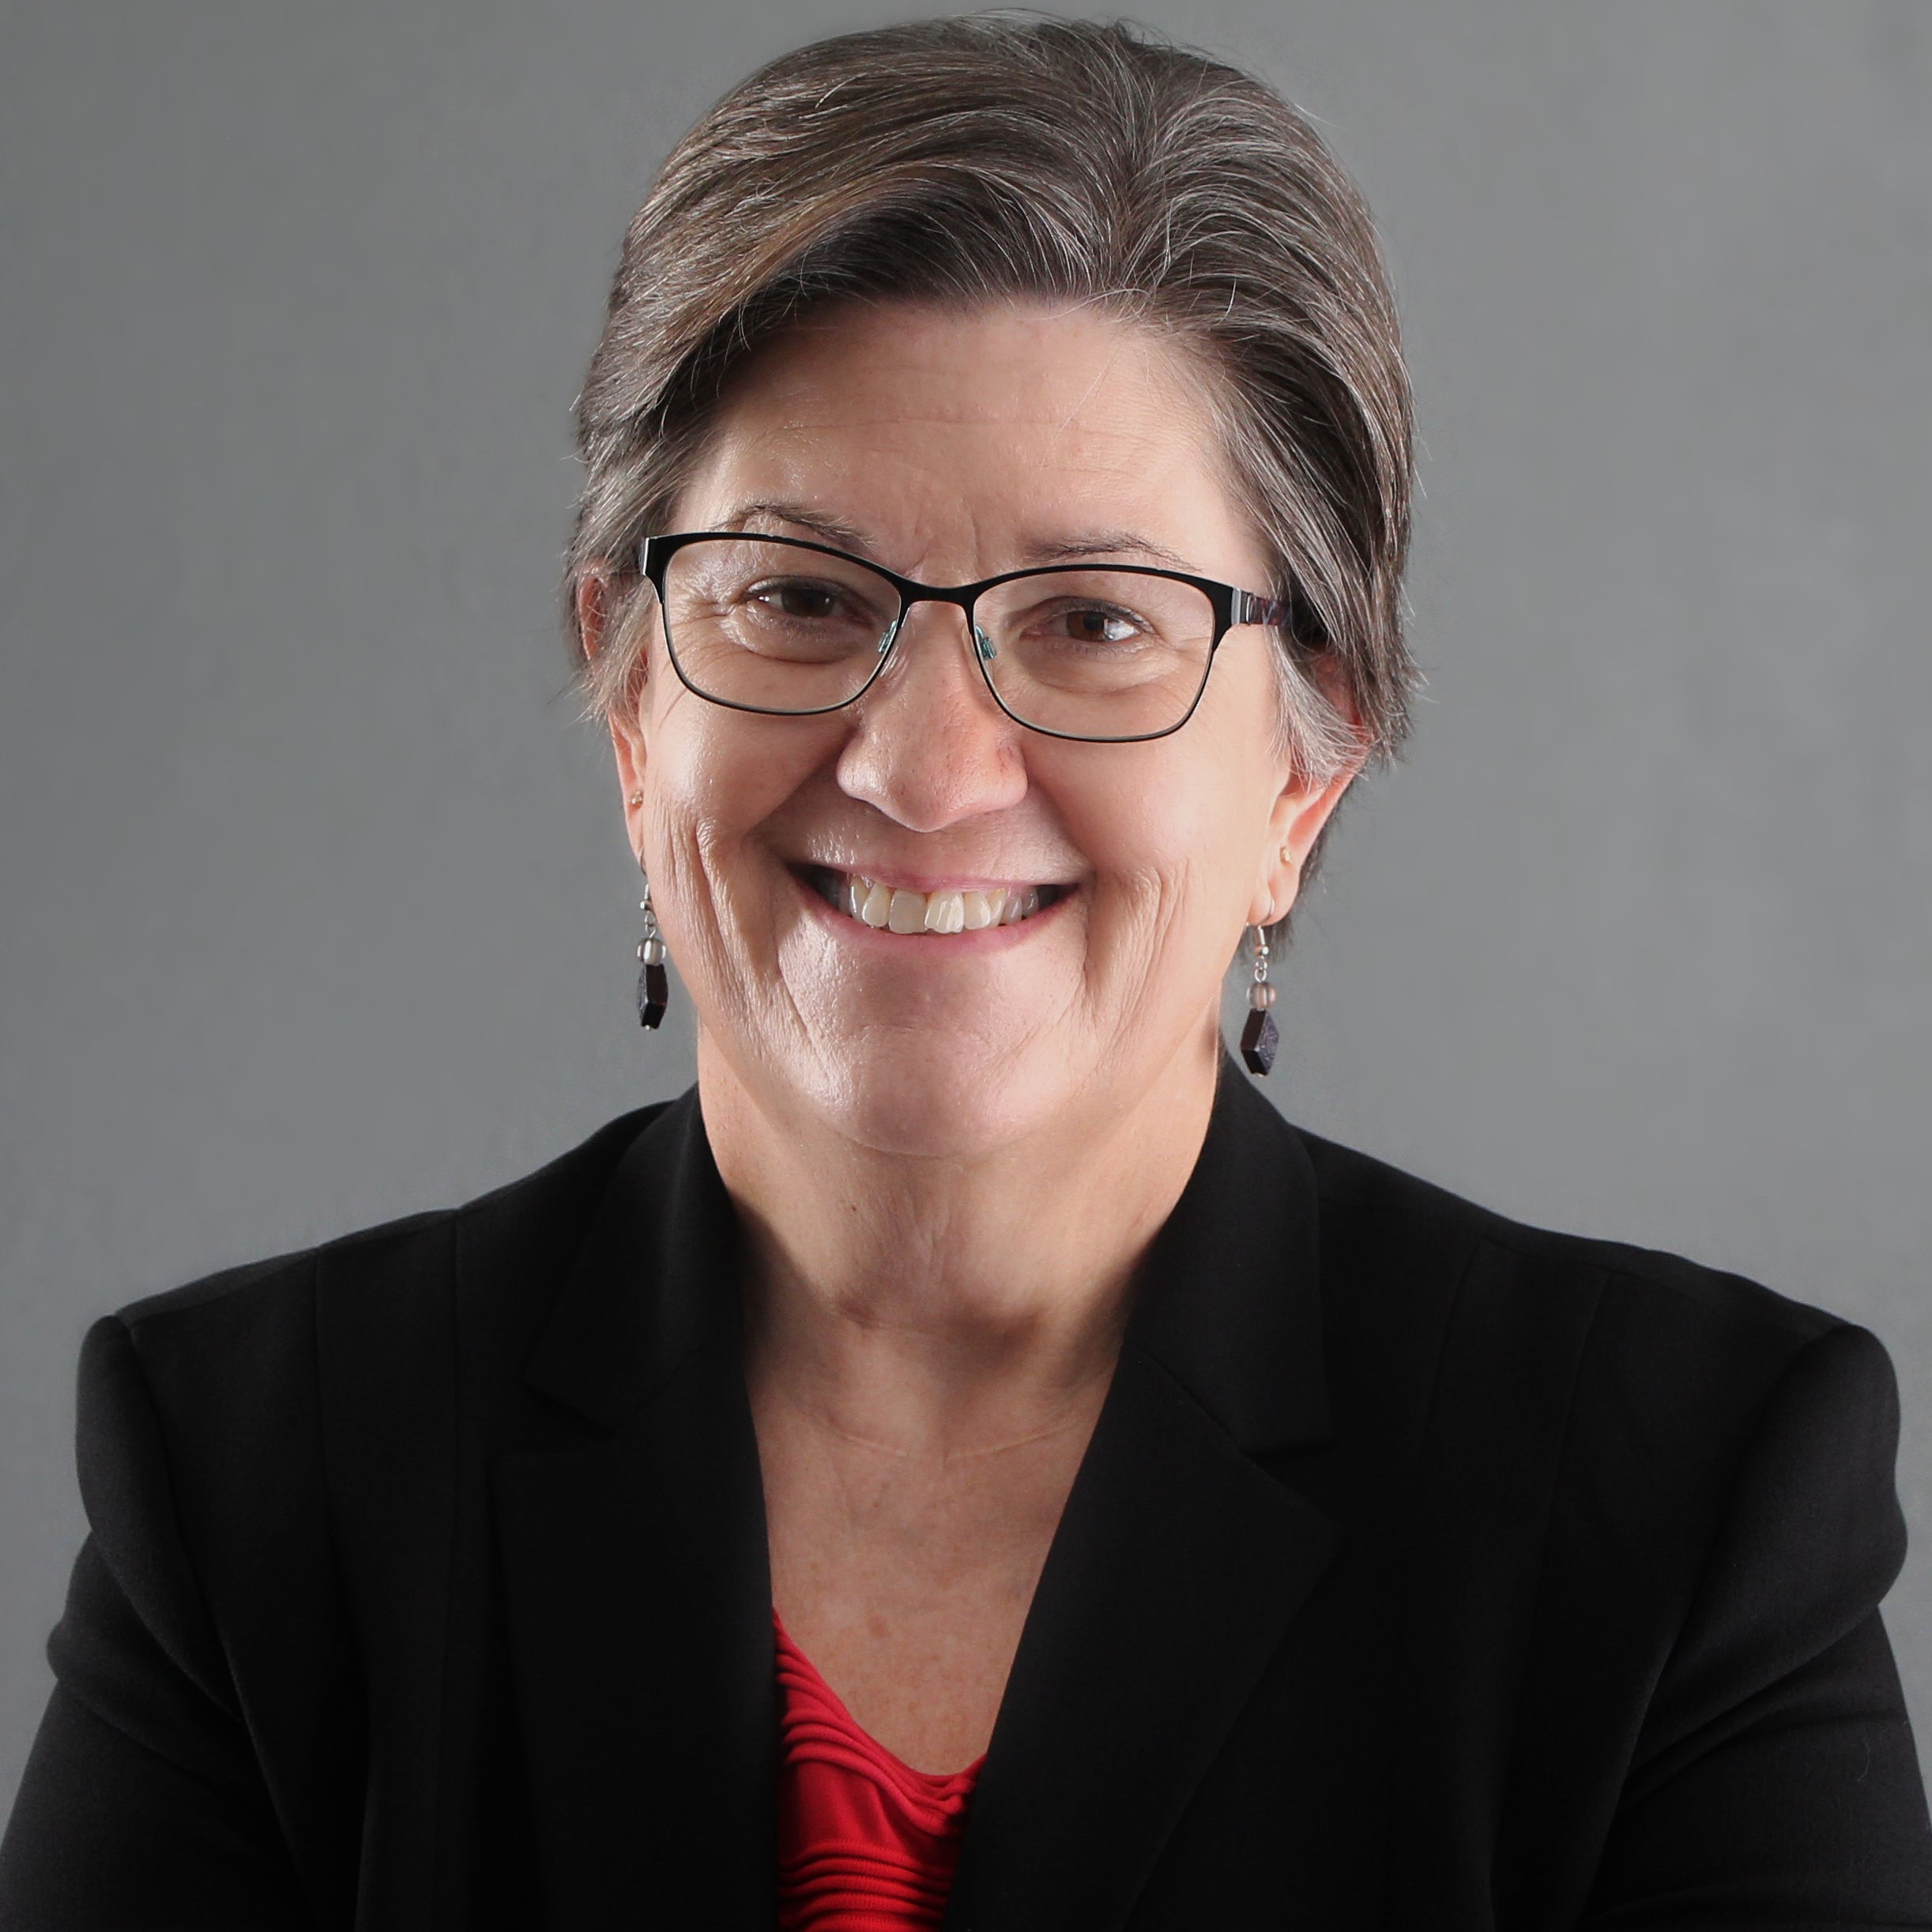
[[1615, 1357], [1375, 1215], [1654, 1427], [246, 1440], [392, 1287]]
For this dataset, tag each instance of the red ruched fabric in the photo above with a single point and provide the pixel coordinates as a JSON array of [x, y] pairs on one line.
[[865, 1843]]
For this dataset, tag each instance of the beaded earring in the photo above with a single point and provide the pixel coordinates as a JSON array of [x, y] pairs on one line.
[[1259, 1037], [653, 982]]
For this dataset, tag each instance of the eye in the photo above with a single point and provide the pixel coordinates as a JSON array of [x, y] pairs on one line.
[[798, 597], [1092, 623]]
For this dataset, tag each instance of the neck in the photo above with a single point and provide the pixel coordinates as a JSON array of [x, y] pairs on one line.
[[943, 1306]]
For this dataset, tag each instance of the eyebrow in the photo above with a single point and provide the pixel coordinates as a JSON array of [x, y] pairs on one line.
[[1072, 549], [1105, 543], [800, 516]]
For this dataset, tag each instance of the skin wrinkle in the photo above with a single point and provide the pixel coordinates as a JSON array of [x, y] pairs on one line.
[[1093, 388], [1122, 543]]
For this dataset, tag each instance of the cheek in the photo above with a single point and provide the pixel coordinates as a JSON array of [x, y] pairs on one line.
[[1168, 827], [713, 776]]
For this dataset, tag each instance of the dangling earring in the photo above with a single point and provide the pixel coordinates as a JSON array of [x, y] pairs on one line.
[[1259, 1037], [653, 982]]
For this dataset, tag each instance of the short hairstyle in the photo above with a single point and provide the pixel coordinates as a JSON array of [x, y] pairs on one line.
[[994, 157]]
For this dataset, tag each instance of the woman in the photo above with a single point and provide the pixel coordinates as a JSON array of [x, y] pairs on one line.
[[970, 1459]]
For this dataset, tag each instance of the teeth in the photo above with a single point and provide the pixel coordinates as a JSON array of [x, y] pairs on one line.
[[946, 911]]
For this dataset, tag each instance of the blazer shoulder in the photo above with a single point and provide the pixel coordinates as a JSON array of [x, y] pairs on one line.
[[1373, 1199], [1644, 1398], [279, 1290]]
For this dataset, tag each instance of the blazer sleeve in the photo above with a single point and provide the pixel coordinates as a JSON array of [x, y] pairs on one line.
[[1775, 1783], [143, 1804]]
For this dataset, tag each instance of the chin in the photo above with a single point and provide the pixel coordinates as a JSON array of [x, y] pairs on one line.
[[934, 1093]]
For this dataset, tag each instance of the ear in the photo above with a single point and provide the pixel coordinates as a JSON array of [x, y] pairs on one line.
[[1300, 811], [594, 620]]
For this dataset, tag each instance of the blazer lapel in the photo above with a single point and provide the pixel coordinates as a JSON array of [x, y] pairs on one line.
[[634, 1569], [633, 1544], [1180, 1562]]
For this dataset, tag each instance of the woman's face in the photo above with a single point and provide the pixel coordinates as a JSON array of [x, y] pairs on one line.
[[951, 446]]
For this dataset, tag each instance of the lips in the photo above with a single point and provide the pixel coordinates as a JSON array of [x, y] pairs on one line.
[[936, 914]]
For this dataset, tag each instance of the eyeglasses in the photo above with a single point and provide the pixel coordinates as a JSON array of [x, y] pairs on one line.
[[1112, 654]]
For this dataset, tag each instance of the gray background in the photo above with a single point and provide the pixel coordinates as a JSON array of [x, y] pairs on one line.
[[316, 905]]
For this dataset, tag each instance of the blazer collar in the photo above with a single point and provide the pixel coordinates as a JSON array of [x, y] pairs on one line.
[[654, 1282], [1227, 1299]]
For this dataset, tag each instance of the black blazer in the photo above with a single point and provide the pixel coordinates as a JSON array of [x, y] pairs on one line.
[[1425, 1572]]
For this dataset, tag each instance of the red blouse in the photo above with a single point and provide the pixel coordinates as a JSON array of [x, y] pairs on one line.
[[865, 1843]]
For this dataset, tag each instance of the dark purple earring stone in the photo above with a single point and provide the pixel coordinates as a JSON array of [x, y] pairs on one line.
[[1260, 1038], [653, 994]]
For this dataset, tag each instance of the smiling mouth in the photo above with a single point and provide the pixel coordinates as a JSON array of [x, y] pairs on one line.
[[893, 908]]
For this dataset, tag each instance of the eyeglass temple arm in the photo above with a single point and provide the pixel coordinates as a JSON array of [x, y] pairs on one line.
[[1251, 609], [1293, 616]]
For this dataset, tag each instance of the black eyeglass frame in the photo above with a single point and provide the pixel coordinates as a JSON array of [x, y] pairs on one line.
[[1231, 606]]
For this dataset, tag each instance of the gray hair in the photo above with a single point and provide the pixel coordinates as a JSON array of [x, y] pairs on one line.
[[998, 157]]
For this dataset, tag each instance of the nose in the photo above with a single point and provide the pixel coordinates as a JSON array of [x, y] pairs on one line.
[[929, 747]]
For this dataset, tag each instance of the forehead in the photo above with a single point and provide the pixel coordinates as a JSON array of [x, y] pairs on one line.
[[1029, 359], [894, 417]]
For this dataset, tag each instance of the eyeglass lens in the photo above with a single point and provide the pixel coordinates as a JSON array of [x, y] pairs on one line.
[[1097, 653]]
